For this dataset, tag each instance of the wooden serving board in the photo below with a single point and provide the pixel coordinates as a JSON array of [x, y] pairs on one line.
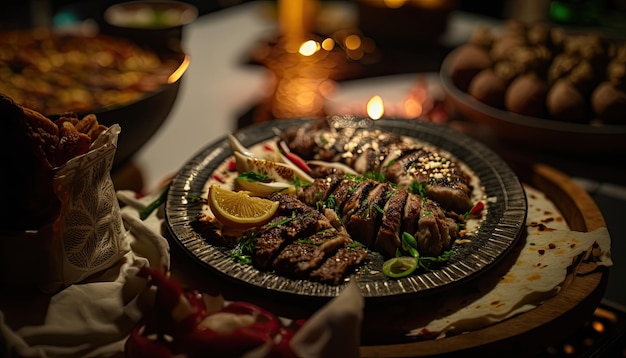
[[521, 336], [529, 333]]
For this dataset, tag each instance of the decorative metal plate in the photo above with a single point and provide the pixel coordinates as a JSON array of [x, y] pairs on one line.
[[498, 233]]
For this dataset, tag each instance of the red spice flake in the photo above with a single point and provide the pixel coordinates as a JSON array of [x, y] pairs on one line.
[[218, 178], [268, 147], [232, 165], [541, 252], [551, 246], [494, 303], [477, 208], [559, 219]]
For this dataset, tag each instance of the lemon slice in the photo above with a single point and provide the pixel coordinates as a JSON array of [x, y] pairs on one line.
[[239, 210]]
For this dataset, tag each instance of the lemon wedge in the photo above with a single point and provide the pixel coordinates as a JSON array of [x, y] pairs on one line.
[[238, 210]]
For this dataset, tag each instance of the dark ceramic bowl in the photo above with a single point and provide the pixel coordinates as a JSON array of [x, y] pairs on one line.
[[141, 118]]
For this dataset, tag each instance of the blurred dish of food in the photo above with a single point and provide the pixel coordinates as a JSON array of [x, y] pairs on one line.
[[158, 24], [151, 14], [541, 85], [118, 80]]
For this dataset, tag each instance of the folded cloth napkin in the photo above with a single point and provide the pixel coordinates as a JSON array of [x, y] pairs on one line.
[[93, 318]]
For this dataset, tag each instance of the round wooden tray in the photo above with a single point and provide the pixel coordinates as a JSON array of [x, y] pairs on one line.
[[521, 336], [531, 332]]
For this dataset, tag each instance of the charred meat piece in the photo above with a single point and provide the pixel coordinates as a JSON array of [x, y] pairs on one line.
[[320, 141], [294, 220], [389, 234], [355, 199], [401, 162], [363, 224], [301, 240], [377, 214], [445, 182], [433, 234], [318, 190], [338, 265], [302, 256]]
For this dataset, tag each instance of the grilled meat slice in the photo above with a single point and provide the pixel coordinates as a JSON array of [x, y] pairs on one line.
[[340, 195], [364, 222], [318, 190], [401, 162], [411, 213], [359, 194], [445, 182], [302, 242], [433, 233], [320, 141], [294, 220], [338, 265], [377, 214], [300, 257], [389, 234]]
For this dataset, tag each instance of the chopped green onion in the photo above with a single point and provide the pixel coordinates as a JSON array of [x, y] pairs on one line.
[[399, 266], [143, 214]]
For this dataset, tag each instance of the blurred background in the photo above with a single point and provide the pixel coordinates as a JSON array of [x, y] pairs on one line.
[[607, 13]]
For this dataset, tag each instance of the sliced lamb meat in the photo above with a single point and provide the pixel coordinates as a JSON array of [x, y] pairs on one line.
[[365, 221], [294, 220], [300, 257], [318, 190], [411, 213], [359, 193], [390, 232], [432, 235], [445, 182], [337, 266]]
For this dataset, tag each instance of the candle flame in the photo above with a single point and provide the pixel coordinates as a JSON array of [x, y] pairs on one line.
[[375, 108], [308, 48]]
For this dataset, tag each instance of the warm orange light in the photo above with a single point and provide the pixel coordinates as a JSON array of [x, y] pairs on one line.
[[308, 48], [413, 108], [375, 108], [352, 42], [328, 44], [176, 75], [394, 3]]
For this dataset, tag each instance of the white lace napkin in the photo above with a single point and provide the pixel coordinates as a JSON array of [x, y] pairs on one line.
[[91, 318]]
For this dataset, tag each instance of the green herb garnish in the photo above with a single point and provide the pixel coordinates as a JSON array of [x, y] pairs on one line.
[[244, 250], [254, 176], [143, 214]]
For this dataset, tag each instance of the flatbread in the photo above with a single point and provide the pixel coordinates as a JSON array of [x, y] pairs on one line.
[[540, 268]]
